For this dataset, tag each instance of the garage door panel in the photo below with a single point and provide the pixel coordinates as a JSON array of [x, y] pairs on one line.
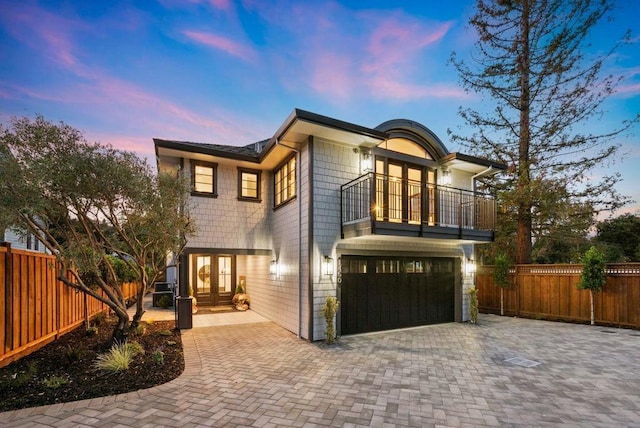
[[396, 292]]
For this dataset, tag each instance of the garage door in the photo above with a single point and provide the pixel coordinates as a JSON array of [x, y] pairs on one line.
[[382, 293]]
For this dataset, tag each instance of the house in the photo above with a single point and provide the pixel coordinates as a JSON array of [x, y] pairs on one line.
[[20, 240], [386, 219]]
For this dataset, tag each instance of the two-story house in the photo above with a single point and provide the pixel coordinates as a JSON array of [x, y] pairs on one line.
[[385, 219]]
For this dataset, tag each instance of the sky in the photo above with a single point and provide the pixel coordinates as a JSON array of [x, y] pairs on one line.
[[230, 72]]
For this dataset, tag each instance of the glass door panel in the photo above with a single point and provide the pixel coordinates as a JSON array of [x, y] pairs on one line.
[[202, 283], [395, 193], [431, 196], [414, 185], [379, 202]]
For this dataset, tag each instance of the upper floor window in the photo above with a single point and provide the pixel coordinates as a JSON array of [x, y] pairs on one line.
[[203, 178], [248, 184], [285, 182], [408, 147]]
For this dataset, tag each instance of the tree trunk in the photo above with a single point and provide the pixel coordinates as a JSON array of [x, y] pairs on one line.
[[502, 301], [523, 235], [593, 316], [120, 331]]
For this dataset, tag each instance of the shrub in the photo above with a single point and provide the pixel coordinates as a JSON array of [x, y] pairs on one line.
[[117, 359], [55, 381], [165, 333], [329, 309], [73, 354], [473, 305], [135, 347], [92, 331], [158, 357], [165, 302]]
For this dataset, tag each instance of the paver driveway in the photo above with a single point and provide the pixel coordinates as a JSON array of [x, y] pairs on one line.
[[504, 372]]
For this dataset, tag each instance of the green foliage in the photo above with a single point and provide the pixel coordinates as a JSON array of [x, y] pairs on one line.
[[473, 305], [135, 347], [329, 309], [118, 358], [164, 302], [88, 203], [501, 266], [158, 357], [165, 333], [593, 276], [99, 318], [92, 331], [55, 381], [623, 234], [538, 88], [171, 343], [73, 353], [15, 382]]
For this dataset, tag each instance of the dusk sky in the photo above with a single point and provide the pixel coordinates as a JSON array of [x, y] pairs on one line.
[[230, 72]]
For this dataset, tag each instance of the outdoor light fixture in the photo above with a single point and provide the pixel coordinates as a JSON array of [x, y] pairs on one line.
[[365, 160], [446, 177], [327, 266], [274, 268], [470, 267]]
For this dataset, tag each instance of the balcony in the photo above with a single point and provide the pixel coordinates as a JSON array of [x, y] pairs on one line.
[[375, 204]]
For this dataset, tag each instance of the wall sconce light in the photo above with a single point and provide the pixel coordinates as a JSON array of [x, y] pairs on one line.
[[470, 267], [446, 177], [327, 266], [365, 161], [274, 268]]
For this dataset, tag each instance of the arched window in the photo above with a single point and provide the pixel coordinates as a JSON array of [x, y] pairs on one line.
[[408, 147]]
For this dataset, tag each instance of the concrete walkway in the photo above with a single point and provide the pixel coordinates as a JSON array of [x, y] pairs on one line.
[[505, 372]]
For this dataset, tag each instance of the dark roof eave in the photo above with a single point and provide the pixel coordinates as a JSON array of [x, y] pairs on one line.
[[191, 148]]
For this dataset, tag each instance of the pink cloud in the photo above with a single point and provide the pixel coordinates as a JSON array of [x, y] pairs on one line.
[[381, 87], [224, 44], [43, 31]]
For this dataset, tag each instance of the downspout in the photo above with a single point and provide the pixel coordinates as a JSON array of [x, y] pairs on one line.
[[299, 203]]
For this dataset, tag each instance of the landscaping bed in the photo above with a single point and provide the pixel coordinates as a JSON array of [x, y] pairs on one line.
[[65, 370]]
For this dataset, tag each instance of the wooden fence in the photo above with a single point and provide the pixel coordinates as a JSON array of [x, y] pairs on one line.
[[36, 308], [550, 292]]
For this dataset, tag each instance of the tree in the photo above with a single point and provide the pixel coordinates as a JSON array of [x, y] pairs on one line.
[[622, 232], [501, 276], [593, 276], [87, 203], [531, 60]]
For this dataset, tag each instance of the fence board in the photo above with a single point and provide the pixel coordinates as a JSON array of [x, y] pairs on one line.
[[550, 291], [36, 308]]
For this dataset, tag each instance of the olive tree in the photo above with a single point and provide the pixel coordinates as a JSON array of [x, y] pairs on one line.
[[88, 202]]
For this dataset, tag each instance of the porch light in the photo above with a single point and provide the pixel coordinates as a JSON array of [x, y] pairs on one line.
[[470, 267], [365, 161], [327, 266], [274, 268], [446, 177]]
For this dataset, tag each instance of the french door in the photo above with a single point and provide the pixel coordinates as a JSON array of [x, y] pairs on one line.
[[213, 279]]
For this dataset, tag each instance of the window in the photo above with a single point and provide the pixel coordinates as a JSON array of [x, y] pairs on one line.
[[203, 178], [248, 185], [285, 182]]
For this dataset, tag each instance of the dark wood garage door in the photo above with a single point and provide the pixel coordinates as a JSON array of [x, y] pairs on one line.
[[382, 293]]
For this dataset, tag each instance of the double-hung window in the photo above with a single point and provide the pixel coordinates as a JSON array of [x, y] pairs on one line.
[[285, 182], [203, 178], [248, 185]]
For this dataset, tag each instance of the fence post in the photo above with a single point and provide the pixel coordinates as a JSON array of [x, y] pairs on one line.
[[8, 297], [517, 285]]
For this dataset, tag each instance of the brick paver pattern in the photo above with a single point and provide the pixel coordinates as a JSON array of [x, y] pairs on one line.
[[260, 375]]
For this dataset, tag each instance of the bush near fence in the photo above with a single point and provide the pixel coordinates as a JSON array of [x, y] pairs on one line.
[[550, 292], [36, 308]]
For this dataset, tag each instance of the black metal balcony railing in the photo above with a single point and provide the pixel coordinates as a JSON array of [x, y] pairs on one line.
[[380, 198]]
